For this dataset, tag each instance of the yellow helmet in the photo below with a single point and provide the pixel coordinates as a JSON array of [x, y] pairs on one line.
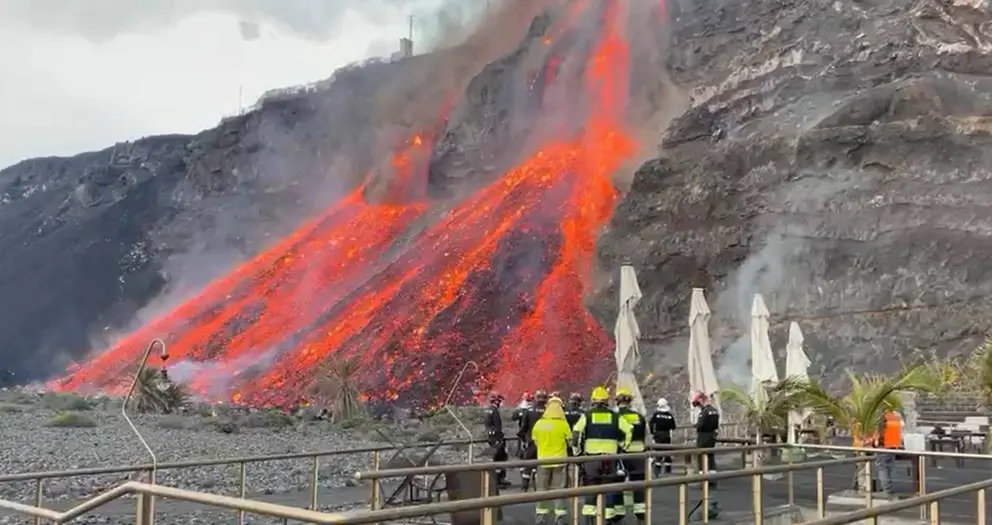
[[599, 394], [623, 392]]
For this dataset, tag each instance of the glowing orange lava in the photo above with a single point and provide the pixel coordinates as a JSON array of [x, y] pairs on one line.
[[497, 280]]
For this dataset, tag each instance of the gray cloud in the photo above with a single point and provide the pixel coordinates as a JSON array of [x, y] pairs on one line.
[[101, 20]]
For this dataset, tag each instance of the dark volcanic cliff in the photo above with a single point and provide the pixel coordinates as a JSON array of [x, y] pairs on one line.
[[85, 240], [836, 158]]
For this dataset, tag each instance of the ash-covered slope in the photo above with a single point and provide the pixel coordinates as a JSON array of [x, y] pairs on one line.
[[84, 240], [837, 158]]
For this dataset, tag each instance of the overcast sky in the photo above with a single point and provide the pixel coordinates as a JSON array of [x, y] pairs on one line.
[[78, 75]]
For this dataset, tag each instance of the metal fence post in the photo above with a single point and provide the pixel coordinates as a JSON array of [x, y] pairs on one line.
[[791, 479], [648, 491], [757, 510], [980, 511], [39, 493], [683, 501], [870, 489], [821, 511], [145, 511], [243, 474], [314, 482], [922, 467], [576, 471], [935, 513], [488, 513], [706, 487], [600, 508]]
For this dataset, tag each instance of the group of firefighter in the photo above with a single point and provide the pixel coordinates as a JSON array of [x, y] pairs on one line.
[[550, 428]]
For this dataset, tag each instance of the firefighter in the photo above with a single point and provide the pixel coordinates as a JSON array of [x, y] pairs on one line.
[[600, 431], [661, 426], [530, 417], [551, 435], [634, 468], [526, 401], [495, 437], [707, 426], [574, 410]]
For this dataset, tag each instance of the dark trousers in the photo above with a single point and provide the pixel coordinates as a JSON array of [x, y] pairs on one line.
[[635, 472], [499, 456], [706, 440], [666, 461], [600, 472]]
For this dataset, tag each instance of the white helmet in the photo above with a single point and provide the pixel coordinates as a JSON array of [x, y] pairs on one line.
[[663, 405]]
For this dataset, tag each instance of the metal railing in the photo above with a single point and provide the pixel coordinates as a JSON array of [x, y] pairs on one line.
[[488, 505], [242, 462]]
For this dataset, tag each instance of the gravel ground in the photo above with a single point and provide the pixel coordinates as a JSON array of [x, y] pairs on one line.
[[30, 444]]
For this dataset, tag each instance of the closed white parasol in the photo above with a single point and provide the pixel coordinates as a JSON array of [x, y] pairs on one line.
[[702, 378], [763, 370], [796, 367], [626, 333]]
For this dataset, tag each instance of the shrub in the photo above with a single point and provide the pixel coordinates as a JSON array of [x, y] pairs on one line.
[[269, 418], [65, 402], [70, 420]]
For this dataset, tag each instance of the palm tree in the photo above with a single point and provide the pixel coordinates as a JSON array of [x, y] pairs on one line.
[[157, 393], [346, 403], [862, 408], [766, 411]]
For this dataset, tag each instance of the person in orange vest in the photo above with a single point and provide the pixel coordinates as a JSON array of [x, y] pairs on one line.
[[889, 437]]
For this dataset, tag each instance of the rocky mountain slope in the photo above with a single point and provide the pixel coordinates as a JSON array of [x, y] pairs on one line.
[[836, 159], [833, 158]]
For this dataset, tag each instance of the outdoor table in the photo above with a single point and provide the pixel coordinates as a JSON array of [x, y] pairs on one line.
[[939, 444]]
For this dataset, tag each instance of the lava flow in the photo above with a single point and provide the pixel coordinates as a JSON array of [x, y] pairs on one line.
[[498, 280]]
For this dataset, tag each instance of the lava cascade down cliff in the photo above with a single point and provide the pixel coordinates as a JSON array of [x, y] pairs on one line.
[[497, 280]]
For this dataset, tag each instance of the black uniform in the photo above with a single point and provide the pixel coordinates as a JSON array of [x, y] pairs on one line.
[[572, 414], [661, 426], [529, 450], [707, 426], [519, 417], [494, 434]]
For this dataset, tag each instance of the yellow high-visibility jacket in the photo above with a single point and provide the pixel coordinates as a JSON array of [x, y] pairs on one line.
[[551, 433]]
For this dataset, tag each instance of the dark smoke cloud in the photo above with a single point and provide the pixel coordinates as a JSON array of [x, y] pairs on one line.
[[101, 20]]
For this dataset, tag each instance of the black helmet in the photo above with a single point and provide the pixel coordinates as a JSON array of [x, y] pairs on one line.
[[575, 398], [541, 396]]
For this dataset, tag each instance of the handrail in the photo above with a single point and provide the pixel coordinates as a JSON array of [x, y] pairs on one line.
[[96, 471], [479, 467], [901, 451], [395, 513], [378, 516], [121, 469], [903, 504]]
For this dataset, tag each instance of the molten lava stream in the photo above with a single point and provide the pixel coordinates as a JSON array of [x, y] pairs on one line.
[[394, 311], [559, 344], [349, 234], [104, 369]]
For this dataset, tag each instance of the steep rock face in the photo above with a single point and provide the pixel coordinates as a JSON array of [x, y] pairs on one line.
[[837, 159], [85, 239]]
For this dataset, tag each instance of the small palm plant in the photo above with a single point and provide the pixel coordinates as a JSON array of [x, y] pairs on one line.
[[862, 408], [766, 411], [156, 393], [346, 405]]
